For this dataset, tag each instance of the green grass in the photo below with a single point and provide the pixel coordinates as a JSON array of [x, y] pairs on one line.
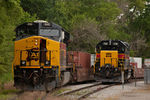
[[5, 94], [38, 99], [61, 91], [81, 92], [11, 91], [5, 78]]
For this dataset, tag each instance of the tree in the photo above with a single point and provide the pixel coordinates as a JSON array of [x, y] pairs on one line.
[[86, 35], [37, 7], [11, 15]]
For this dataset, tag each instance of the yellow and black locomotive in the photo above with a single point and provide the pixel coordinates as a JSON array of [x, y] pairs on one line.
[[112, 57], [40, 56]]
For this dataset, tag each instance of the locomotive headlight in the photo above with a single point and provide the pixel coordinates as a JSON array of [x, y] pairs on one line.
[[36, 43], [23, 63], [116, 69], [99, 69], [47, 63]]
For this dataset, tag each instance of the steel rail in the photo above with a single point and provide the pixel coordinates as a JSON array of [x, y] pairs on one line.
[[73, 91], [94, 91]]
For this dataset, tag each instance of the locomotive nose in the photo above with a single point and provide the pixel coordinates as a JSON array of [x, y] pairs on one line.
[[109, 58]]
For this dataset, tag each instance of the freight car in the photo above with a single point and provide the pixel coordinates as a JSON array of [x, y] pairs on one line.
[[82, 66], [40, 57], [112, 57]]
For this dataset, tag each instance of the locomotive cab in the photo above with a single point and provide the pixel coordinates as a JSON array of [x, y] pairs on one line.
[[44, 29]]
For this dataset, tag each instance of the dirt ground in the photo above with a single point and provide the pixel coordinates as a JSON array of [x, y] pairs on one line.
[[135, 94], [36, 95], [11, 93], [130, 92]]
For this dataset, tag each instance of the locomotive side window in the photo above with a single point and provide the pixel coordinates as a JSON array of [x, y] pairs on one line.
[[106, 45]]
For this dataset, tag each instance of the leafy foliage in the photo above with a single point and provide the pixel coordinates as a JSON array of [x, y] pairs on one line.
[[11, 15], [86, 35]]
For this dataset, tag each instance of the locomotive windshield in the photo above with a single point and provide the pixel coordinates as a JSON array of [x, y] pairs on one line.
[[27, 30], [112, 47]]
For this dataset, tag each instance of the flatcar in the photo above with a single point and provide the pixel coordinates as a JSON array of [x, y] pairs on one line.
[[41, 60], [112, 58]]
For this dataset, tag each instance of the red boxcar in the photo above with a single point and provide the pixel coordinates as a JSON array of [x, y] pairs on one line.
[[82, 65]]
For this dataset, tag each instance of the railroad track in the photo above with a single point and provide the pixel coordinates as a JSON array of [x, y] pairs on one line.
[[73, 91], [93, 91], [98, 88], [101, 88]]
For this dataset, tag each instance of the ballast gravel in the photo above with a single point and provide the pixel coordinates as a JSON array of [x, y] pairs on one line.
[[130, 92]]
